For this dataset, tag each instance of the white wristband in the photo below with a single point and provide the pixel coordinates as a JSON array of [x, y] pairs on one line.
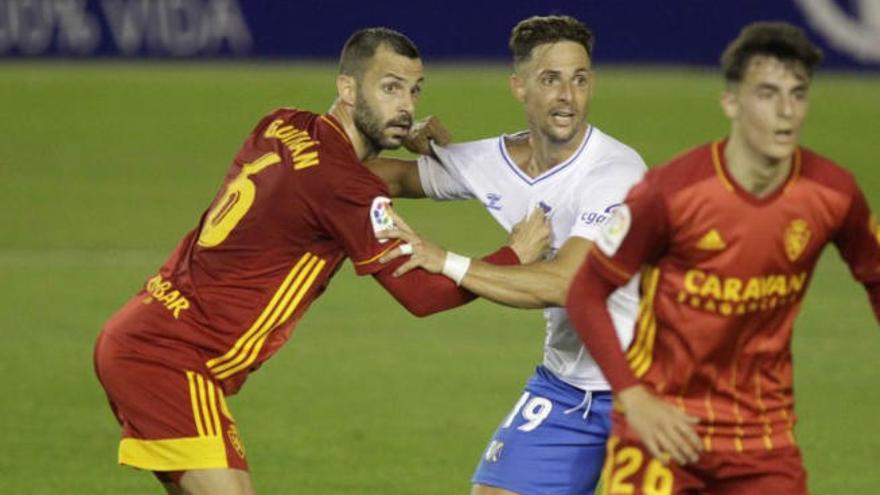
[[455, 266]]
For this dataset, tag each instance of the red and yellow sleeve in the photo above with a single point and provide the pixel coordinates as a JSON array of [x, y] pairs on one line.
[[636, 234], [353, 213], [858, 241]]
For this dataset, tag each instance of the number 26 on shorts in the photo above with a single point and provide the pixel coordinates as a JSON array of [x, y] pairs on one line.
[[621, 473], [534, 411]]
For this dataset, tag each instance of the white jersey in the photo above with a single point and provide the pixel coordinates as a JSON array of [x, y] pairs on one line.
[[577, 195]]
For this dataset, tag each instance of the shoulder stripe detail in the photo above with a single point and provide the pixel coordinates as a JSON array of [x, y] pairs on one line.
[[641, 353], [719, 168], [374, 258], [795, 170], [285, 301], [329, 122]]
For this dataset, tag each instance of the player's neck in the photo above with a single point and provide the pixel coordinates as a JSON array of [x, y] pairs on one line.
[[539, 153], [343, 114], [754, 172]]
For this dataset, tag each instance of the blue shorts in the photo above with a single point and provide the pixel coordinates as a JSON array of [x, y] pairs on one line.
[[551, 443]]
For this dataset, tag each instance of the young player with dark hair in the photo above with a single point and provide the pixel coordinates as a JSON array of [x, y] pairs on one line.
[[727, 237]]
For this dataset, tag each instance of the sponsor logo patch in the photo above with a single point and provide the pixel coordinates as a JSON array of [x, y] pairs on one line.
[[379, 216], [493, 201], [712, 241], [596, 218], [614, 230]]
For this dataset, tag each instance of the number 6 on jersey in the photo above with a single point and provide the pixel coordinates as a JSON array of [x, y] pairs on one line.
[[534, 411], [236, 201]]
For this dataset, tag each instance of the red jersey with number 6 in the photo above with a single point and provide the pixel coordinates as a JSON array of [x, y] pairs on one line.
[[726, 276], [295, 203]]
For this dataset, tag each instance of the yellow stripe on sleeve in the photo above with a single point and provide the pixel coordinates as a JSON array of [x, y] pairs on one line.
[[641, 352], [374, 258]]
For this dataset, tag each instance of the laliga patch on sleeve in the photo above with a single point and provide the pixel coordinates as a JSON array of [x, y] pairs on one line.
[[614, 230], [379, 216]]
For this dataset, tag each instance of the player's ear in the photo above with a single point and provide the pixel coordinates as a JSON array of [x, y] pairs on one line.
[[518, 87], [730, 103], [346, 88]]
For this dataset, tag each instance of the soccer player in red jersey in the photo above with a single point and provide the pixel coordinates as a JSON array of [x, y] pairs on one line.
[[296, 202], [726, 236]]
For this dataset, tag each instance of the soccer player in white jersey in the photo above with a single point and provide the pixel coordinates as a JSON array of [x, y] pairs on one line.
[[553, 440]]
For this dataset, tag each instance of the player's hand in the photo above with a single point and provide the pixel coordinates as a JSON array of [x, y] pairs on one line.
[[422, 252], [530, 238], [423, 132], [666, 430]]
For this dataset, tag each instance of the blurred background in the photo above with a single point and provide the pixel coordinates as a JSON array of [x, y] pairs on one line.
[[120, 117]]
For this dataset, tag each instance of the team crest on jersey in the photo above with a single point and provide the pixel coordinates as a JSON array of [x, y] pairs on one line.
[[614, 230], [797, 237], [379, 216]]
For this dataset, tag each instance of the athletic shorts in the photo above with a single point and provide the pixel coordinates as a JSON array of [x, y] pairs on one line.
[[173, 419], [551, 443], [631, 470]]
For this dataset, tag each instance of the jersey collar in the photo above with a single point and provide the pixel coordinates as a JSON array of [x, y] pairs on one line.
[[548, 173]]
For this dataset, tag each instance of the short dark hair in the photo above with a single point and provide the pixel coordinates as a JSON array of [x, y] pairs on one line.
[[363, 43], [538, 30], [780, 40]]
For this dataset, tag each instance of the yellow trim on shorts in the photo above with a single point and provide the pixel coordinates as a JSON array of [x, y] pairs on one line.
[[176, 454]]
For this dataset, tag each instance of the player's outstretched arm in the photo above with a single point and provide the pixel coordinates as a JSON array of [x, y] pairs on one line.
[[402, 176], [423, 293], [535, 285]]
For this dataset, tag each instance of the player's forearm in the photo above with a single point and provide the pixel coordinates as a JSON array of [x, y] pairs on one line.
[[527, 286], [401, 176], [424, 294], [588, 311]]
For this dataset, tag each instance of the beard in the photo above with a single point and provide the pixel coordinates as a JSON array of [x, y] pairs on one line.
[[370, 125]]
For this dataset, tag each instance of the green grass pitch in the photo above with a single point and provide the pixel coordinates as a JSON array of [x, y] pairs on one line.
[[103, 167]]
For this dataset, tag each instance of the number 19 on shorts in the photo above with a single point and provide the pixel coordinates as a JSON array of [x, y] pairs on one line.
[[534, 410]]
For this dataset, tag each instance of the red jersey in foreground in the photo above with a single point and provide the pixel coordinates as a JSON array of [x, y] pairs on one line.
[[726, 274]]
